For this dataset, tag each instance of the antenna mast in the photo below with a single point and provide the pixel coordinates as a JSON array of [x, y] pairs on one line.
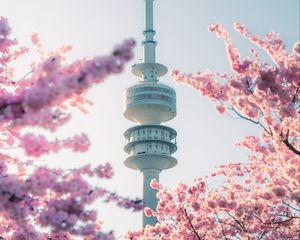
[[149, 43]]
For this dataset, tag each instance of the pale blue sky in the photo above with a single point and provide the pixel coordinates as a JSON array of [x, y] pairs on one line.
[[93, 27]]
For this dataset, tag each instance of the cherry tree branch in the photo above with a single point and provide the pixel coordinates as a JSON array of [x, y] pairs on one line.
[[191, 225]]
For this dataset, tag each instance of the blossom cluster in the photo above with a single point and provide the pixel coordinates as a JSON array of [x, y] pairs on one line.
[[37, 202], [259, 199]]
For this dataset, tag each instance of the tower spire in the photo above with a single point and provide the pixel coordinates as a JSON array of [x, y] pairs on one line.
[[150, 103], [149, 42], [149, 70]]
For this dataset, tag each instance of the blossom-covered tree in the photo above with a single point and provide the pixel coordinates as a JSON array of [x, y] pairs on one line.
[[37, 202], [259, 199]]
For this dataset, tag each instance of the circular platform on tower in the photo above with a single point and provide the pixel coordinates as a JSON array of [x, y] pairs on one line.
[[150, 103], [150, 161], [150, 131], [155, 68]]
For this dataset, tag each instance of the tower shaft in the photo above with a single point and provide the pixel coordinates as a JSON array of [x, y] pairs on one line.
[[149, 194]]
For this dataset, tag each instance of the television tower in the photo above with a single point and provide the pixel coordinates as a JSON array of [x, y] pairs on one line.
[[150, 103]]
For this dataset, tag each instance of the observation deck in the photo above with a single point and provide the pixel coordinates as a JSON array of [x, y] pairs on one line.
[[150, 103]]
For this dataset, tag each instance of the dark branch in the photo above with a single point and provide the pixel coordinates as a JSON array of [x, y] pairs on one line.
[[291, 147], [287, 143], [191, 225], [250, 120]]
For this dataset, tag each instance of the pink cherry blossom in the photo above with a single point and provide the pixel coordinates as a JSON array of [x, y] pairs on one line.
[[148, 212], [155, 184], [221, 109], [37, 202], [259, 199]]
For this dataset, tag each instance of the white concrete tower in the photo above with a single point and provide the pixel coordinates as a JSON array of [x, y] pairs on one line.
[[150, 103]]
